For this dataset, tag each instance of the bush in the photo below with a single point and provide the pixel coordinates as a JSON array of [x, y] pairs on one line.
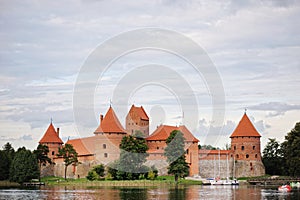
[[92, 175], [99, 169]]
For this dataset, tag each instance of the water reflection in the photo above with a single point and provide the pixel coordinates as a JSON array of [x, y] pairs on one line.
[[133, 193]]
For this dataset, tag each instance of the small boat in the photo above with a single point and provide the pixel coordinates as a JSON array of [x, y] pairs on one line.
[[284, 188], [235, 182], [227, 181], [216, 181]]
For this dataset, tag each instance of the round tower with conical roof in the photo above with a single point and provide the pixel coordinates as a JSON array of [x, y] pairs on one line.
[[245, 150]]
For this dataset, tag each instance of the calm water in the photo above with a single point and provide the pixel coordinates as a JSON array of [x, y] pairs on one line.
[[187, 192]]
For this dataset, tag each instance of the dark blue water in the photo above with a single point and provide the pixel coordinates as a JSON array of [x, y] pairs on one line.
[[133, 193]]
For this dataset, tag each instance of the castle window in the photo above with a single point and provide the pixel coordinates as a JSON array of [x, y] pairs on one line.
[[104, 146], [237, 155], [247, 156], [187, 151], [253, 147], [53, 153], [243, 148], [234, 147], [255, 155], [105, 155], [157, 147]]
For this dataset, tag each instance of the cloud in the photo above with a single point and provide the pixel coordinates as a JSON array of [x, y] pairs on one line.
[[22, 138], [275, 108]]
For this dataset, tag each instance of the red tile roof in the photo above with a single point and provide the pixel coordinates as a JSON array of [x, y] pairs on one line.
[[80, 145], [245, 128], [110, 123], [163, 132], [51, 136], [139, 111]]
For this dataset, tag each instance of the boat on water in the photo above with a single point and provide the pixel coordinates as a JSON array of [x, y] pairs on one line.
[[235, 182], [285, 188], [216, 182]]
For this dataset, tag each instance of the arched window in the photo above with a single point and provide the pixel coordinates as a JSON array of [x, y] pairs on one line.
[[53, 153], [255, 155], [237, 155], [247, 156], [243, 148], [105, 155], [253, 147], [104, 146], [234, 147]]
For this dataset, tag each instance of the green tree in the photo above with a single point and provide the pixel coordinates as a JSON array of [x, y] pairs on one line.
[[175, 154], [41, 154], [24, 166], [99, 169], [92, 175], [272, 158], [69, 154], [132, 157], [4, 166], [10, 153], [291, 150]]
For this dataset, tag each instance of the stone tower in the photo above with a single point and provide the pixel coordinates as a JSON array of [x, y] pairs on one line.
[[52, 140], [137, 120], [245, 150]]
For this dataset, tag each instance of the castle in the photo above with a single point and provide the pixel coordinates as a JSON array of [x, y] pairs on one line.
[[242, 160]]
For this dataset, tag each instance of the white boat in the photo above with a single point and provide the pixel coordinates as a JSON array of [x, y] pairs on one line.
[[216, 182], [235, 182], [227, 181]]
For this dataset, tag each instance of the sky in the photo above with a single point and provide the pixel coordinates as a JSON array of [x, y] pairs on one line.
[[252, 48]]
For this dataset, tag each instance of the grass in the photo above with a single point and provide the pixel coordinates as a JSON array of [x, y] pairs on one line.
[[8, 184], [161, 180]]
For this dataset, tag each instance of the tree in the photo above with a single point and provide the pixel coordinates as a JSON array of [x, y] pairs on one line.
[[4, 166], [24, 166], [291, 150], [41, 154], [273, 158], [92, 175], [69, 154], [175, 154], [132, 156], [99, 169], [9, 151]]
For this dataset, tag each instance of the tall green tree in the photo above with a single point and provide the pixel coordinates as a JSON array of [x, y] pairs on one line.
[[24, 166], [175, 154], [10, 153], [273, 159], [132, 156], [41, 154], [4, 166], [291, 150], [69, 154]]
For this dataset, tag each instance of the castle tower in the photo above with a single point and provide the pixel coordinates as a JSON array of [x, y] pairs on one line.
[[245, 150], [108, 137], [52, 140], [137, 120]]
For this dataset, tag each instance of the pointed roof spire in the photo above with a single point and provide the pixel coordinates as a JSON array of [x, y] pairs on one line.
[[110, 123], [138, 111], [51, 136], [245, 128]]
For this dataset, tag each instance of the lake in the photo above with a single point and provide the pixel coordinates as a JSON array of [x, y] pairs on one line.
[[134, 193]]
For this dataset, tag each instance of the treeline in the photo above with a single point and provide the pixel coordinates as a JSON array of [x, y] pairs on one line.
[[22, 165], [283, 158]]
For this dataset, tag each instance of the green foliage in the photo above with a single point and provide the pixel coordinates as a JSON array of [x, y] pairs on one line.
[[41, 153], [175, 154], [24, 166], [132, 157], [99, 169], [4, 166], [210, 147], [291, 150], [92, 175], [273, 158], [69, 154], [6, 158]]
